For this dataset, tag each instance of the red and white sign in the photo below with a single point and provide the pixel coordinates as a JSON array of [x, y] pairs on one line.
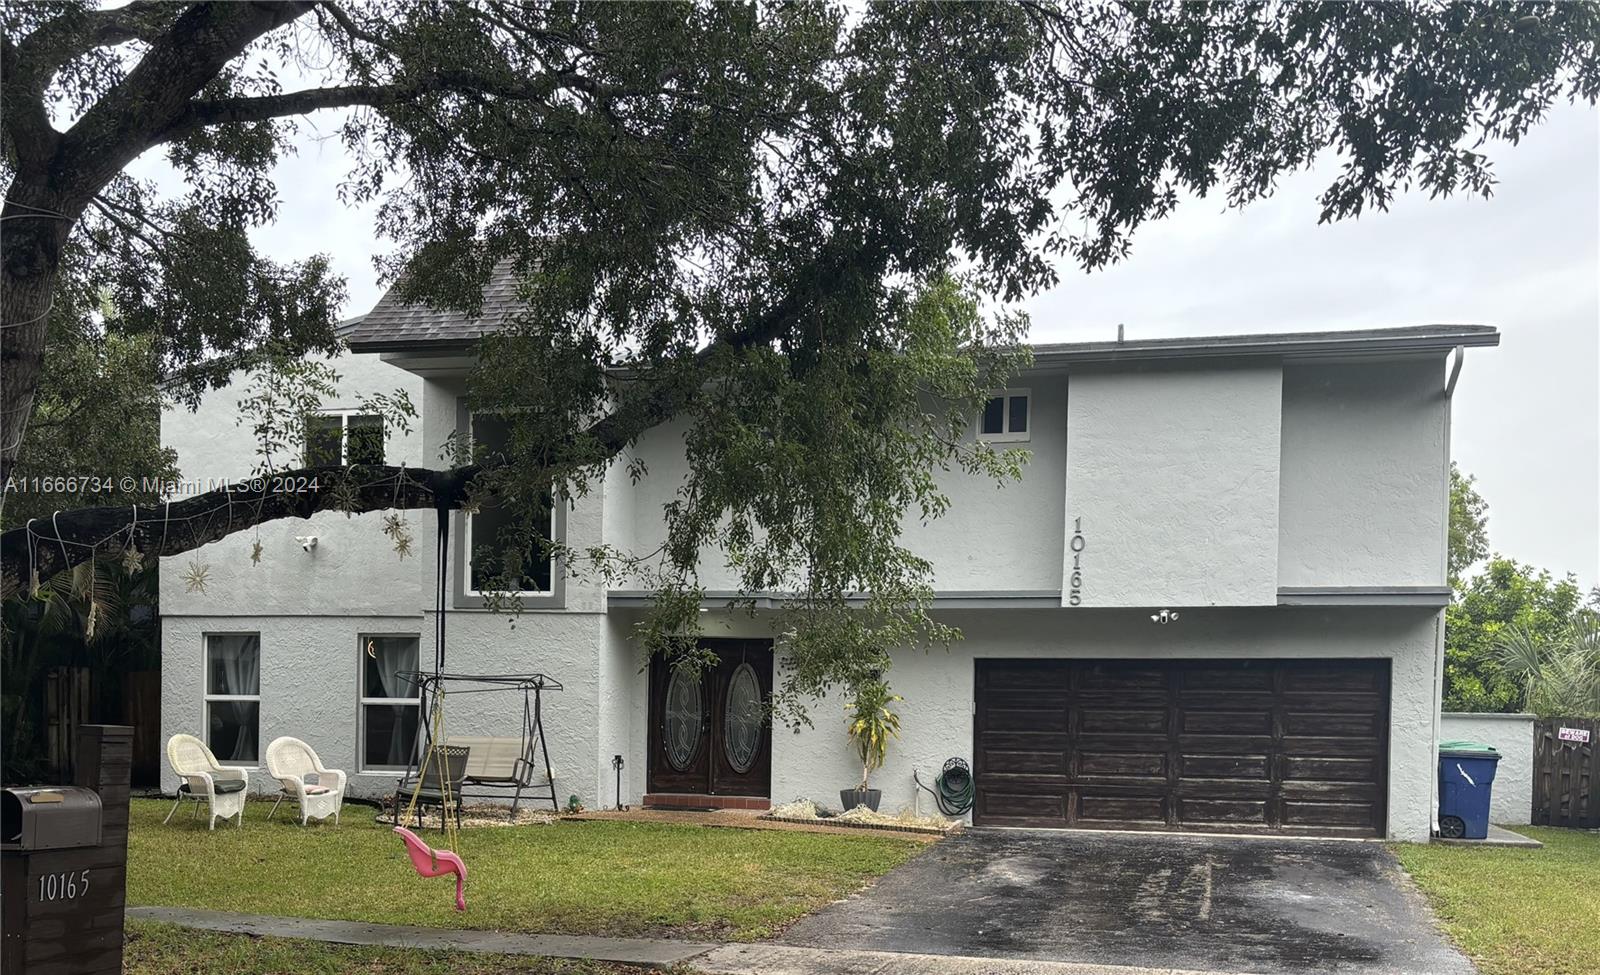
[[1579, 735]]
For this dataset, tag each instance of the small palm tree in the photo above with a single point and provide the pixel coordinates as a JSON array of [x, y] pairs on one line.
[[872, 723], [1560, 675]]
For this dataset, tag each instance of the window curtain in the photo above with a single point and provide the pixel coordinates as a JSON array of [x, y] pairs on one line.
[[236, 669], [387, 659]]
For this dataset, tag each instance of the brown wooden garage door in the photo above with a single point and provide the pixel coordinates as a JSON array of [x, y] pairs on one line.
[[1260, 745]]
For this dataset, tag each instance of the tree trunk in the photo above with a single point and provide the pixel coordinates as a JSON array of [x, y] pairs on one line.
[[34, 225]]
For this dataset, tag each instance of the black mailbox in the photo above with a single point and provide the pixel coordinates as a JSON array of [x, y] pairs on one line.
[[49, 818]]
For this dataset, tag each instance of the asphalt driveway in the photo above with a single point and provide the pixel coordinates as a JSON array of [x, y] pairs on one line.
[[1270, 906]]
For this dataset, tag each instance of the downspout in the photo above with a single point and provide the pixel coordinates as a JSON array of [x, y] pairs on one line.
[[1438, 626]]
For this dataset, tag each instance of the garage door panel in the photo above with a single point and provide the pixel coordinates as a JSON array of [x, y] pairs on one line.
[[1230, 723], [1113, 808], [1334, 747], [1353, 815], [1025, 674], [1026, 719], [1325, 769], [1016, 761], [1191, 766], [1094, 718], [1141, 763], [1259, 745], [1316, 678], [1233, 679], [1023, 808], [1222, 812], [1303, 724]]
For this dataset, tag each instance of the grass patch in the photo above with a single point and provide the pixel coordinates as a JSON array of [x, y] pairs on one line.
[[164, 949], [607, 878], [1517, 911]]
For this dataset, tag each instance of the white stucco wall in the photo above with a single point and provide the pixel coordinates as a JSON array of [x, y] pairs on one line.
[[310, 685], [352, 571], [1363, 477], [937, 714], [1174, 475], [994, 536], [1511, 802]]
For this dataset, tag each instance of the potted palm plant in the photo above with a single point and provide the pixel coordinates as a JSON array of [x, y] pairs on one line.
[[872, 723]]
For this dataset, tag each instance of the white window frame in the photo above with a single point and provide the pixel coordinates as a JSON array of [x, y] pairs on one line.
[[344, 416], [363, 700], [210, 698], [1006, 435], [467, 549]]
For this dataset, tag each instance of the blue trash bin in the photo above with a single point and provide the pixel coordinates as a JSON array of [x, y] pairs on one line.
[[1466, 781]]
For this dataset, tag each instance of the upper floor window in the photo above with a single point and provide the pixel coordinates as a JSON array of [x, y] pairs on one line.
[[513, 567], [344, 437], [1006, 416], [233, 696]]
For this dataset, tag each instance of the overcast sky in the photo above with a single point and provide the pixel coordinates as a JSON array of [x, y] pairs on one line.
[[1527, 415]]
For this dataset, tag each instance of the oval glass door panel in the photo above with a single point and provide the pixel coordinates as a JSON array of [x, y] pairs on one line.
[[744, 719], [684, 717]]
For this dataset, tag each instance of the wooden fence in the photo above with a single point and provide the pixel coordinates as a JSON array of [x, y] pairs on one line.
[[1566, 773]]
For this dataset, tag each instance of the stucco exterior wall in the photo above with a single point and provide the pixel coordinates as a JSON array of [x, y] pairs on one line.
[[310, 685], [1511, 802], [936, 717], [995, 536], [352, 571], [1363, 477], [1173, 477]]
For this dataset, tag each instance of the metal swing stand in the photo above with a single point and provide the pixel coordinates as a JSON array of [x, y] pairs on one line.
[[501, 763], [498, 770]]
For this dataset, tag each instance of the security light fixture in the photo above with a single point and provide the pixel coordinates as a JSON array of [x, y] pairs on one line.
[[1164, 617]]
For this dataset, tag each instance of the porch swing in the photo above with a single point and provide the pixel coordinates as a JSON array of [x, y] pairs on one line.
[[501, 763]]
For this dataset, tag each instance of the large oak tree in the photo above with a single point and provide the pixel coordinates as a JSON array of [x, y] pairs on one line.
[[749, 210]]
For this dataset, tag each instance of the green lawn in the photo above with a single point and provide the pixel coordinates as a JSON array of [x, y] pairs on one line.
[[1518, 912], [161, 949], [611, 878]]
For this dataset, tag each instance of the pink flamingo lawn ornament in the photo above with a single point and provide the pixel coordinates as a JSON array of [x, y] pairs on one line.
[[435, 863]]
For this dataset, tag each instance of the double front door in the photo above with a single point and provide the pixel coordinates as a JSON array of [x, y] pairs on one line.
[[709, 733]]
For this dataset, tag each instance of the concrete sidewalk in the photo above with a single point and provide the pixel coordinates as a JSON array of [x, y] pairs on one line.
[[713, 959]]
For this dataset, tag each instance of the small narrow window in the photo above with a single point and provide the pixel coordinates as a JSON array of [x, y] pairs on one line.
[[1005, 416], [233, 696], [492, 530], [390, 703], [1019, 415], [994, 416], [344, 438]]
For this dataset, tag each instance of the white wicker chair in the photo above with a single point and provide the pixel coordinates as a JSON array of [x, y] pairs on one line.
[[292, 761], [222, 787]]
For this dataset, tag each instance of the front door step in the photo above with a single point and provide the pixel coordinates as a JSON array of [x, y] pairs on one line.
[[690, 800]]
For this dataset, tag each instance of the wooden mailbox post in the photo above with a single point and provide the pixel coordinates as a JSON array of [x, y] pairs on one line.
[[63, 885]]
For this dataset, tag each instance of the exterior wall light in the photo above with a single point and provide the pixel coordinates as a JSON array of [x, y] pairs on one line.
[[1164, 617]]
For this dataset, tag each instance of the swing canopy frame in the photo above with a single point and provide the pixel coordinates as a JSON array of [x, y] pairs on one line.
[[495, 765]]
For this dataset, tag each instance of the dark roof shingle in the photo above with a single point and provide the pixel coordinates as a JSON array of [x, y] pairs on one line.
[[392, 325]]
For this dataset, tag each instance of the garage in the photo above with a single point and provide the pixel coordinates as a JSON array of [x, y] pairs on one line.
[[1283, 746]]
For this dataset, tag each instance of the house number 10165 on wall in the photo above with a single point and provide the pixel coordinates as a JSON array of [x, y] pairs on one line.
[[63, 886], [1075, 581]]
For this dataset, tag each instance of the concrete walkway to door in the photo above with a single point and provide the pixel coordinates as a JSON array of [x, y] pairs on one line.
[[1196, 903]]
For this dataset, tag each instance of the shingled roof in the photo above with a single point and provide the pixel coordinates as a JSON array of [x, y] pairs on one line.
[[392, 324]]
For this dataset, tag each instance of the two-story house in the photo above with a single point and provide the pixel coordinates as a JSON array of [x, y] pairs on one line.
[[1282, 497]]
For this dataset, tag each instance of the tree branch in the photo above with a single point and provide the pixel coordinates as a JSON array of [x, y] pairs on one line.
[[220, 111]]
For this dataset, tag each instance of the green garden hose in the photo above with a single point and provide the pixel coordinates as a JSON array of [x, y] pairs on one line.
[[953, 789]]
